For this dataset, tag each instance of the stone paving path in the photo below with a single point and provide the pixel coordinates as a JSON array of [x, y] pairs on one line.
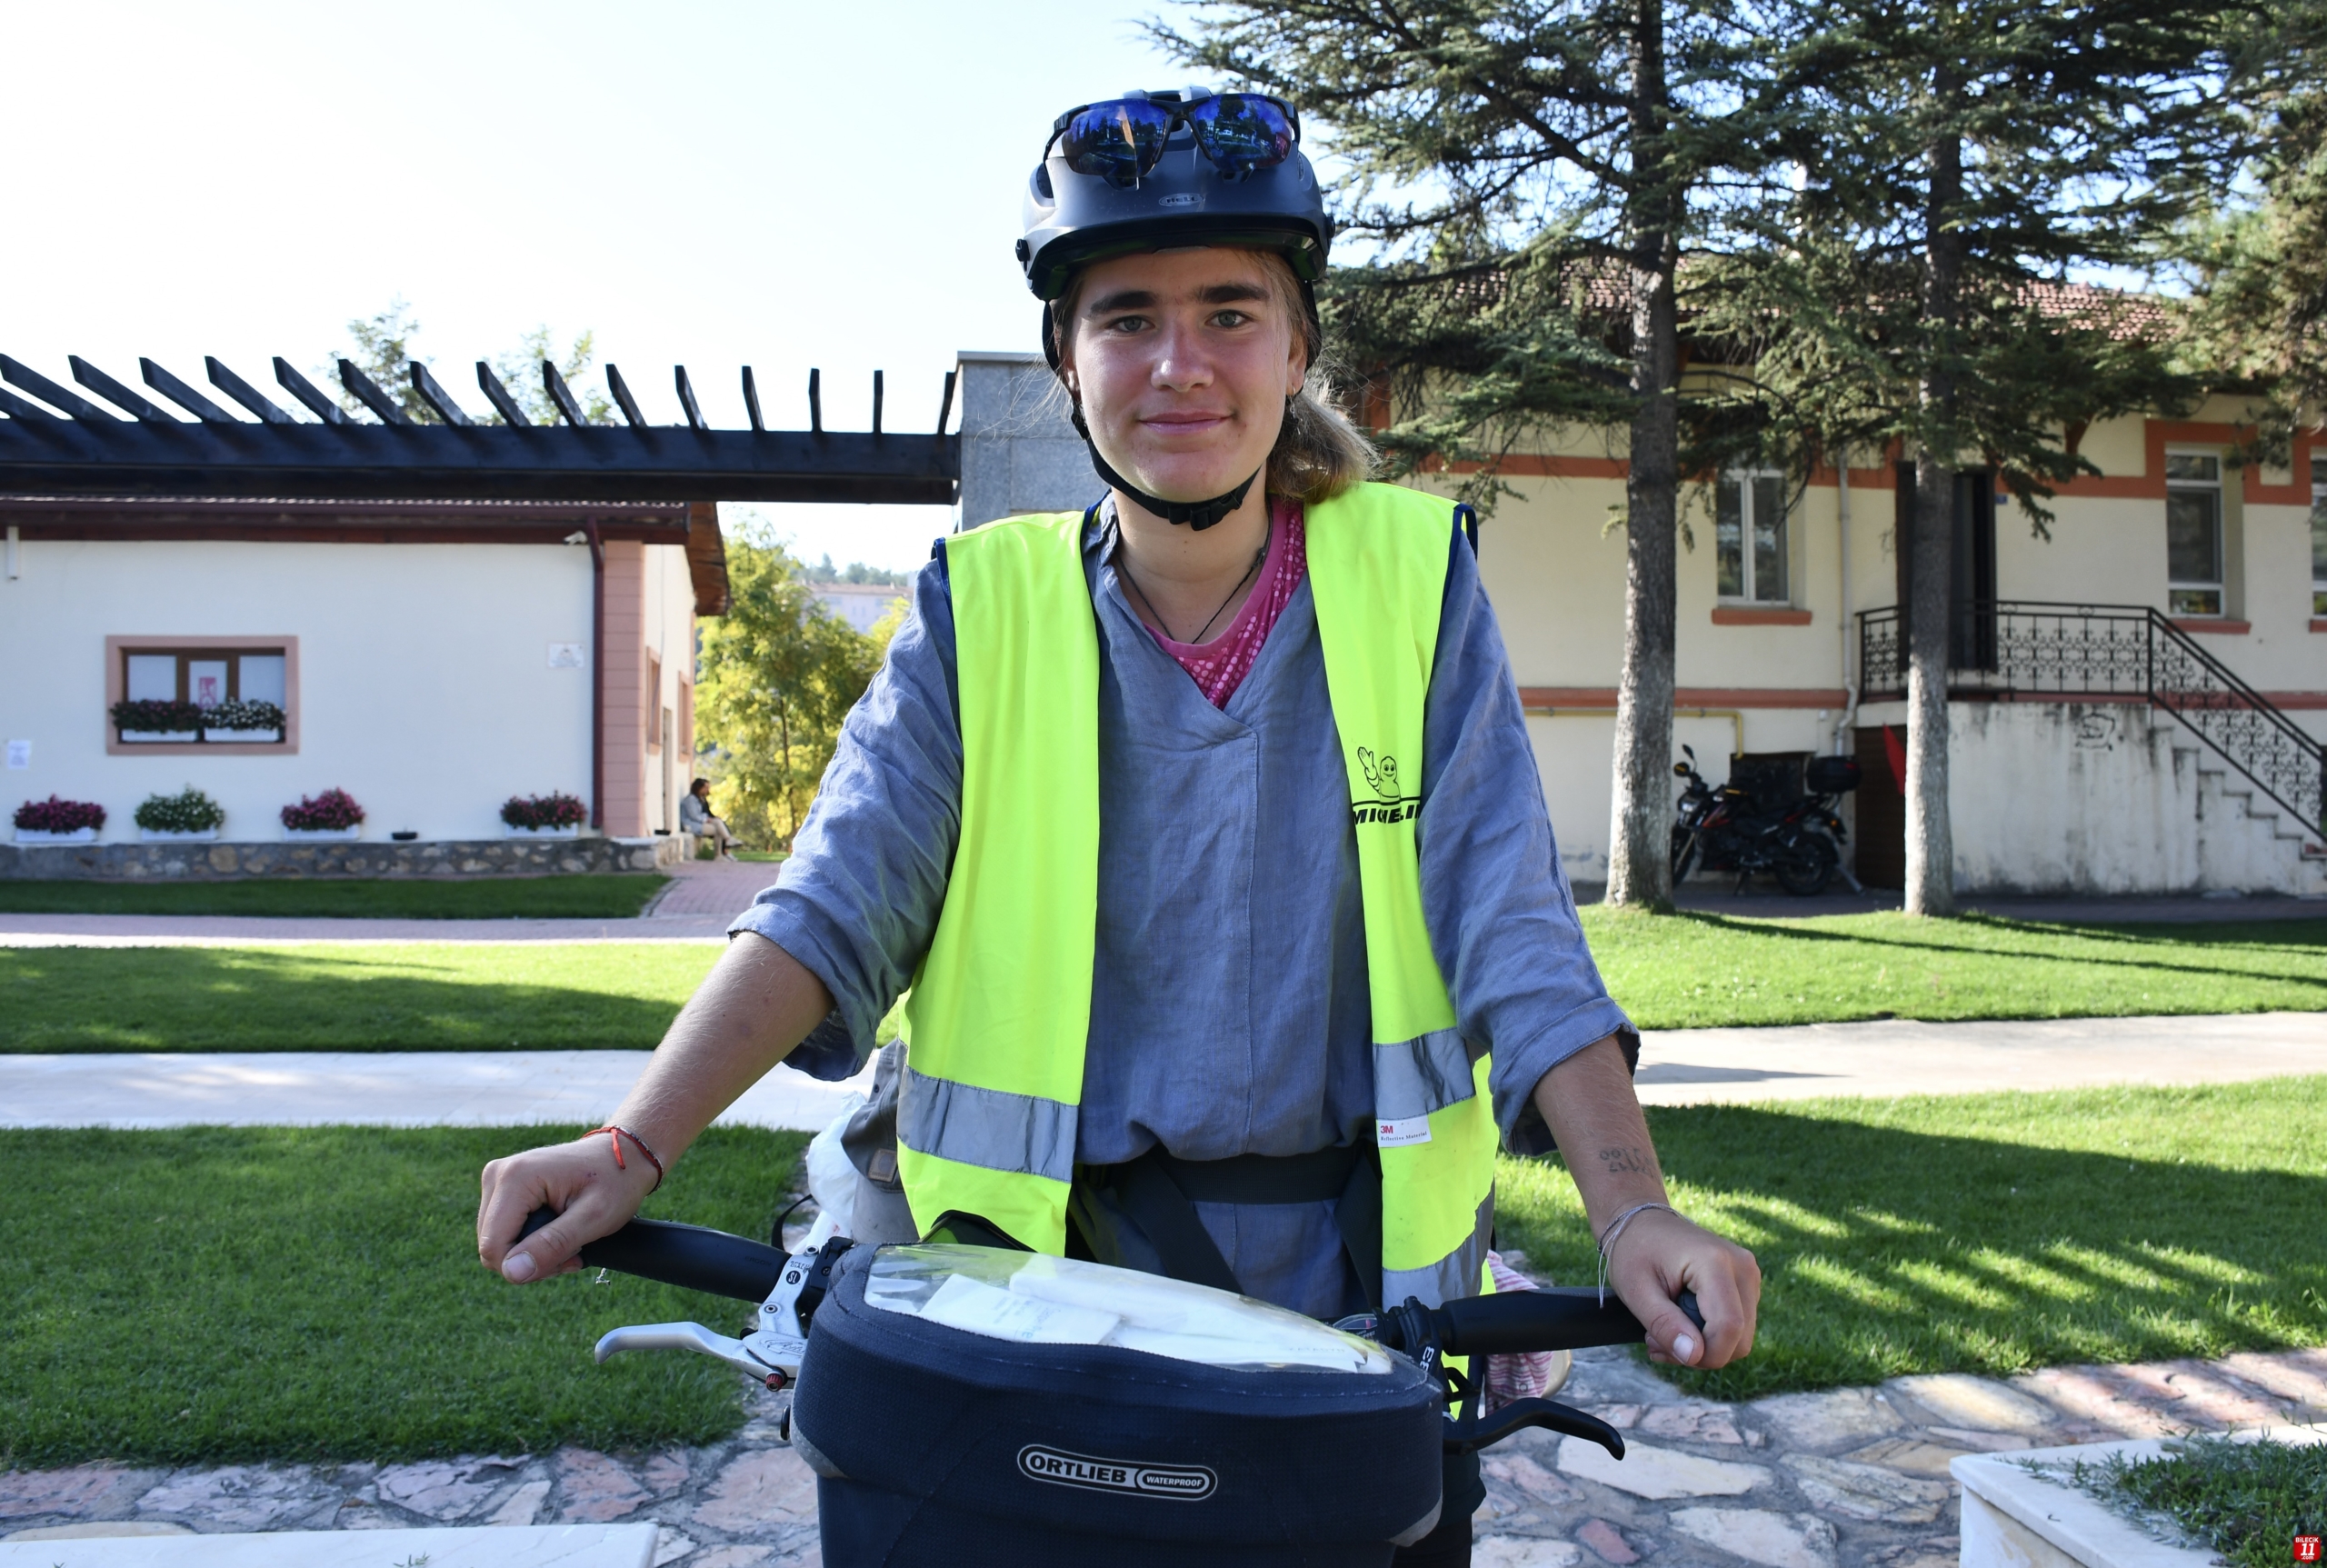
[[1855, 1478]]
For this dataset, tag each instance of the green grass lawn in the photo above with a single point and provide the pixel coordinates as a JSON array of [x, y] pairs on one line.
[[1672, 971], [609, 897], [385, 997], [214, 1293], [1990, 1232], [1694, 969]]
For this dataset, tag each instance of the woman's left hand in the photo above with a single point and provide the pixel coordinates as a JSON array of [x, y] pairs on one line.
[[1654, 1254], [1661, 1254]]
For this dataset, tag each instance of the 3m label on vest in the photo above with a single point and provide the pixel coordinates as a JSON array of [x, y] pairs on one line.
[[1406, 1130], [1064, 1469]]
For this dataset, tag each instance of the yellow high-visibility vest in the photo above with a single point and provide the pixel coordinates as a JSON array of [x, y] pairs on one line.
[[1000, 1010]]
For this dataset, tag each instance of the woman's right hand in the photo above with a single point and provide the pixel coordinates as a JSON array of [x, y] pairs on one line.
[[593, 1196]]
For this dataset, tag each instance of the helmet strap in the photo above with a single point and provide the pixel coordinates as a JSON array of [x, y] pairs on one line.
[[1198, 515]]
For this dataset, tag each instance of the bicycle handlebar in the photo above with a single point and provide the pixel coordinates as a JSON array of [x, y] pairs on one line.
[[693, 1256], [1517, 1322], [1514, 1322]]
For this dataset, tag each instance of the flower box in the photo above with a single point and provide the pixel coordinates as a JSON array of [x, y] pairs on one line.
[[145, 737], [322, 834], [34, 835], [2023, 1508], [242, 737], [167, 835], [572, 831]]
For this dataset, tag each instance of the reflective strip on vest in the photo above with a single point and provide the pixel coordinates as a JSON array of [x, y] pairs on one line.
[[987, 1127], [1000, 1013], [1416, 1077]]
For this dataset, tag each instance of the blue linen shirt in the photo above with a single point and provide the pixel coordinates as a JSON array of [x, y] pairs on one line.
[[1230, 1012]]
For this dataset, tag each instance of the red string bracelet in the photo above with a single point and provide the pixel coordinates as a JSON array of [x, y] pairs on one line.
[[617, 1135]]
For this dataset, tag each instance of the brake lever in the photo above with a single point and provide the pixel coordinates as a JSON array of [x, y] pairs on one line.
[[1469, 1435], [772, 1351]]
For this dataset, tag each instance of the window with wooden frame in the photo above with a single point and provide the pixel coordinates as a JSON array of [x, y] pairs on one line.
[[653, 701], [201, 693], [2193, 541], [2319, 546], [1750, 541]]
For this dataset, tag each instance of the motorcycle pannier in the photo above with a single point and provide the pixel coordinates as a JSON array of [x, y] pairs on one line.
[[1831, 775], [971, 1406]]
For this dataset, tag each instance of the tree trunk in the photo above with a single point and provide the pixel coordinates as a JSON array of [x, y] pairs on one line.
[[1931, 840], [1640, 830]]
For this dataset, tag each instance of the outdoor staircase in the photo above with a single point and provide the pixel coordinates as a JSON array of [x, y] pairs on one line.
[[2246, 838], [2248, 762]]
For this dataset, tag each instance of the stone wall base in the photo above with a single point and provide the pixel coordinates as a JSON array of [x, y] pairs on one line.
[[244, 861]]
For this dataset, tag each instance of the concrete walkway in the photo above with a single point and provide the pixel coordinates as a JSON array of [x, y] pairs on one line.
[[1765, 901], [703, 897], [1853, 1476], [1900, 1056], [393, 1088], [1678, 1067]]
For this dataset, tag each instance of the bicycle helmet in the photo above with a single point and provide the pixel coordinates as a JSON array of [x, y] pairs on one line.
[[1183, 188], [1072, 218]]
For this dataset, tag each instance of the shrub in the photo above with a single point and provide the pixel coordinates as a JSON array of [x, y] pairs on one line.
[[54, 815], [242, 716], [189, 811], [155, 716], [555, 810], [331, 811]]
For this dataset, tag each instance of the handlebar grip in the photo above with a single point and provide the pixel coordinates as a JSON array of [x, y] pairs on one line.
[[691, 1257], [1565, 1318]]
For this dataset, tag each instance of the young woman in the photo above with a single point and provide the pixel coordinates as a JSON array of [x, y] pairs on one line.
[[1202, 828]]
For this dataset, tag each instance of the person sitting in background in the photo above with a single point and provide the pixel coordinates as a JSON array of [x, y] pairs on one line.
[[695, 817]]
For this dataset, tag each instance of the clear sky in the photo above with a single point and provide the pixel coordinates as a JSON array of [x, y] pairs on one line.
[[780, 183]]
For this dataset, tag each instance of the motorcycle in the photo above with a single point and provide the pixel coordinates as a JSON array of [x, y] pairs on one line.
[[984, 1405], [1798, 840]]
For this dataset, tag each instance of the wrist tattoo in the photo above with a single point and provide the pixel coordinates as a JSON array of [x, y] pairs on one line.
[[1627, 1161]]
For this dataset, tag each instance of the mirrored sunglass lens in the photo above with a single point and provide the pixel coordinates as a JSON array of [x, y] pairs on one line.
[[1121, 139], [1241, 133]]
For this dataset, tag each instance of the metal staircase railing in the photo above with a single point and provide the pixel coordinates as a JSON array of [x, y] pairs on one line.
[[2027, 649]]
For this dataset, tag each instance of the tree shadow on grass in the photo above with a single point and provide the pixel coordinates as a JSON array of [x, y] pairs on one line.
[[1887, 1251], [75, 1000]]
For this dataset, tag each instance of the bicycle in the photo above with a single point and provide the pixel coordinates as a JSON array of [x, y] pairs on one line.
[[964, 1406]]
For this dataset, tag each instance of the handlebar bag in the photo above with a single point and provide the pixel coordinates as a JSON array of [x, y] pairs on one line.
[[970, 1406]]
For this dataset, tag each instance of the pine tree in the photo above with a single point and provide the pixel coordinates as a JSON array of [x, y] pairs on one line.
[[1530, 173], [2257, 266], [1959, 162]]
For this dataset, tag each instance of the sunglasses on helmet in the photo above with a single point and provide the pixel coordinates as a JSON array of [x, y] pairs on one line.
[[1121, 139]]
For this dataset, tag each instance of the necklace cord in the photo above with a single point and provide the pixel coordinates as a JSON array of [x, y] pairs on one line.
[[1123, 571]]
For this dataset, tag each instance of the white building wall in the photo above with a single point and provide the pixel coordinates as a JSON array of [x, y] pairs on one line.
[[666, 769], [2108, 798], [425, 689]]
